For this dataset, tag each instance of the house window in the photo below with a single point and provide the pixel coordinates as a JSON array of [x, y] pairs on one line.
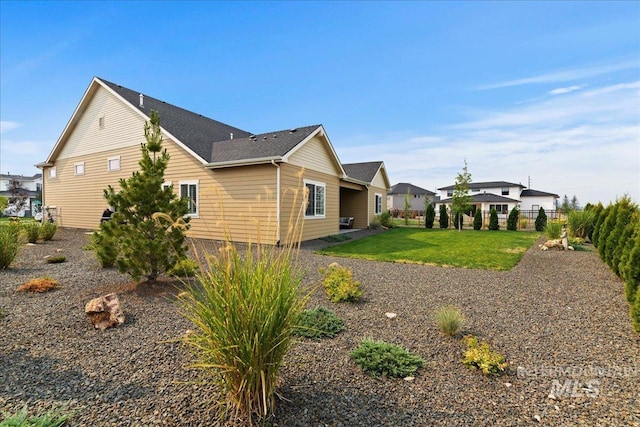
[[101, 122], [78, 168], [501, 209], [505, 191], [53, 172], [535, 208], [378, 207], [449, 193], [189, 191], [316, 199], [476, 190], [113, 163]]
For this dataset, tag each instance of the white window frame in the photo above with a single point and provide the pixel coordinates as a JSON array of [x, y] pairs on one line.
[[109, 164], [196, 205], [53, 172], [166, 184], [377, 204], [78, 169], [319, 210]]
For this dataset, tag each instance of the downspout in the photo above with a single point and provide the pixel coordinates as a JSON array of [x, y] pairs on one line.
[[369, 206], [273, 162]]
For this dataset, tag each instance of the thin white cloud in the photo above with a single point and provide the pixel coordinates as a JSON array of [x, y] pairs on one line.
[[6, 126], [566, 75], [585, 143], [563, 90]]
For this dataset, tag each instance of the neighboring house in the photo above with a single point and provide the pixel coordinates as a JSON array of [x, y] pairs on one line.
[[417, 196], [249, 185], [503, 196], [21, 187]]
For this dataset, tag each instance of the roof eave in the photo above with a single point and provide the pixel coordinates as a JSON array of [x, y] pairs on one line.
[[243, 162]]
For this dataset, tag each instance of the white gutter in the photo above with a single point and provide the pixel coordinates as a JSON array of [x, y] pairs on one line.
[[243, 162], [273, 162]]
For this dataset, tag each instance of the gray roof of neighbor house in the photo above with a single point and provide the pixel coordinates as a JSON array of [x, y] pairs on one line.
[[364, 172], [536, 193], [404, 188], [264, 146], [489, 184], [485, 197], [194, 130]]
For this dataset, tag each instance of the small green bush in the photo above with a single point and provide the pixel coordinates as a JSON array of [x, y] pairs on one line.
[[635, 313], [339, 284], [32, 230], [444, 217], [48, 230], [9, 245], [480, 356], [477, 220], [385, 219], [378, 358], [56, 259], [553, 230], [185, 267], [512, 220], [449, 320], [541, 220], [319, 323], [493, 220], [52, 418]]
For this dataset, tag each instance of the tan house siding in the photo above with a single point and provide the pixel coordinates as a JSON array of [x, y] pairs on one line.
[[314, 155]]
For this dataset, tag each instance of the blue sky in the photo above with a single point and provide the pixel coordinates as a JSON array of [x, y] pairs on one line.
[[541, 91]]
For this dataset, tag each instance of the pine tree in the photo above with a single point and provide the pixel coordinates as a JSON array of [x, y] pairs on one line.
[[147, 245], [477, 220], [493, 220], [541, 220], [444, 216], [512, 221], [429, 215]]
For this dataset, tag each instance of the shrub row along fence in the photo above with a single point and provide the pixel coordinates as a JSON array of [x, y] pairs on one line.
[[526, 218]]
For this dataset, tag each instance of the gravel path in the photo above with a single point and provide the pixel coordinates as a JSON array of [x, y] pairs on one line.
[[560, 318]]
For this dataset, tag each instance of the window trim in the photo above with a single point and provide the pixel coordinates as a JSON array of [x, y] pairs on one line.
[[322, 185], [376, 197], [75, 169], [101, 122], [53, 172], [109, 160], [189, 183]]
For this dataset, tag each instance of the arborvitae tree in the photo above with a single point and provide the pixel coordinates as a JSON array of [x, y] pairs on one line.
[[429, 215], [444, 216], [597, 226], [461, 201], [605, 231], [635, 313], [512, 221], [621, 231], [147, 245], [629, 265], [477, 220], [597, 211], [493, 220], [541, 220]]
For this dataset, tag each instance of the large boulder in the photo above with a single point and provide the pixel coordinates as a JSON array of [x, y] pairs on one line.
[[105, 311]]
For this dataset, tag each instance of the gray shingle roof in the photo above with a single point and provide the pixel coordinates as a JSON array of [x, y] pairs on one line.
[[404, 188], [486, 198], [489, 184], [194, 130], [536, 193], [266, 145], [362, 171]]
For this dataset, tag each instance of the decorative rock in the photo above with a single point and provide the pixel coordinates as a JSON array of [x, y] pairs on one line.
[[391, 315], [105, 311]]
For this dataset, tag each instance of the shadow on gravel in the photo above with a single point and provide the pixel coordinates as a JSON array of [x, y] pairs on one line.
[[34, 378]]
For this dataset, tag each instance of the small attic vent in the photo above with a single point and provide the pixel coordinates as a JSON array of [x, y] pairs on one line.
[[141, 100], [231, 135], [264, 138], [275, 135], [292, 130]]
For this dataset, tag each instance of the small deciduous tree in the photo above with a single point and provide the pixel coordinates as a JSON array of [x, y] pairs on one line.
[[444, 216], [512, 221], [541, 220], [493, 220], [429, 214], [407, 207], [147, 244], [457, 220], [477, 220], [461, 202]]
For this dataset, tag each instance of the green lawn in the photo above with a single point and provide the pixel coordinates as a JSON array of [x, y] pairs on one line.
[[489, 250]]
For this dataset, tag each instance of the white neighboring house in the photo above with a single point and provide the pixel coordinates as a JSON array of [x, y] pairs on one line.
[[417, 196], [503, 196], [20, 186]]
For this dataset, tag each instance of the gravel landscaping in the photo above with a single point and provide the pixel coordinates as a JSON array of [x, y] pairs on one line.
[[560, 318]]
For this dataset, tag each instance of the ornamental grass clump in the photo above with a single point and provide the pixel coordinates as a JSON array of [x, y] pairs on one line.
[[319, 323], [378, 358], [449, 320], [339, 284], [52, 418], [48, 230], [9, 244], [245, 308], [480, 356], [32, 231], [553, 230]]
